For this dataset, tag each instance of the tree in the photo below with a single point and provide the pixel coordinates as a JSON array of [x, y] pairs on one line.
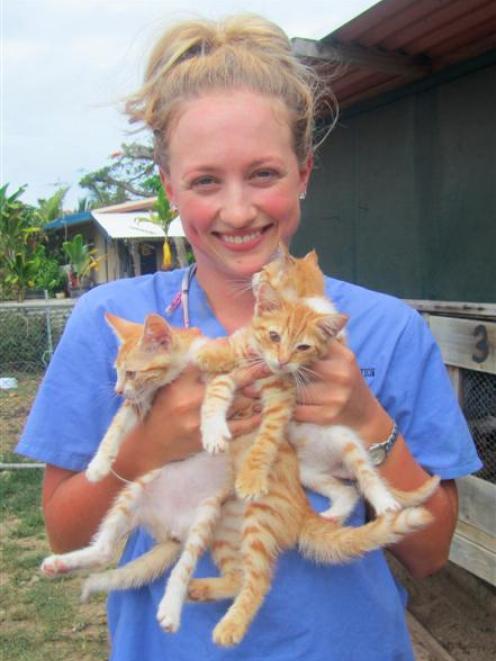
[[51, 208], [125, 178], [24, 263]]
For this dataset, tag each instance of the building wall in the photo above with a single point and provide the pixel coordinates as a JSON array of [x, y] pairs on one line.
[[403, 196]]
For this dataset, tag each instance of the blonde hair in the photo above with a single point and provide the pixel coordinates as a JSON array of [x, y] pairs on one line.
[[246, 51]]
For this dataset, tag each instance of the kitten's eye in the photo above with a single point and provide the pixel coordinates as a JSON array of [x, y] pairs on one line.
[[130, 375], [275, 337], [303, 347]]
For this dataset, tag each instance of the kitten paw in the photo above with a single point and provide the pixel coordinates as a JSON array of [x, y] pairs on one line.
[[53, 566], [215, 435], [168, 620], [251, 486], [97, 470], [228, 633], [385, 505], [334, 517]]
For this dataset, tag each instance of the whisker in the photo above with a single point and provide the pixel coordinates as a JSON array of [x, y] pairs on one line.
[[308, 371], [301, 382]]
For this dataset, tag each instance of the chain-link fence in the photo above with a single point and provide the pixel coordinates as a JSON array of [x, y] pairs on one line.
[[478, 402], [29, 333]]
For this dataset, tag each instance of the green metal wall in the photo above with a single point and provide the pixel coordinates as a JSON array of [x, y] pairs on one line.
[[403, 195]]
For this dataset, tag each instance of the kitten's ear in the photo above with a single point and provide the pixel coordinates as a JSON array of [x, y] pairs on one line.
[[311, 257], [121, 327], [267, 299], [331, 324], [157, 334]]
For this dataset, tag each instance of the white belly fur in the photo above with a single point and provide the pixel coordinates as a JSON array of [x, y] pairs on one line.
[[172, 498]]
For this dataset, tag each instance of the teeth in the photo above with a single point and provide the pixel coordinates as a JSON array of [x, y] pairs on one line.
[[241, 239]]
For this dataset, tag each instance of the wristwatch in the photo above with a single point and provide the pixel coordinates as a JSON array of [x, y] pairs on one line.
[[379, 451]]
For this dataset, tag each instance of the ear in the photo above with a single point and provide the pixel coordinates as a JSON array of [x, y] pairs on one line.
[[267, 300], [331, 324], [121, 327], [157, 334], [311, 257], [166, 183], [305, 172]]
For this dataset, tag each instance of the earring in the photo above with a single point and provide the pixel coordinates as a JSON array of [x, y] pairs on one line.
[[172, 207], [303, 195]]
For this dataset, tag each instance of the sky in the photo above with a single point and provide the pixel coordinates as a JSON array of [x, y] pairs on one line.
[[66, 65]]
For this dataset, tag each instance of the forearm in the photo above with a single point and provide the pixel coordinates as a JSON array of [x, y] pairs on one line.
[[73, 507], [426, 551]]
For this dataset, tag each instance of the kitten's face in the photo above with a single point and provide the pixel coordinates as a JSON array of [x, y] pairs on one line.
[[291, 336], [292, 277], [145, 357]]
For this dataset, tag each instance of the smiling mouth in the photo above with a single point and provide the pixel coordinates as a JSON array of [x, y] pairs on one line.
[[240, 239]]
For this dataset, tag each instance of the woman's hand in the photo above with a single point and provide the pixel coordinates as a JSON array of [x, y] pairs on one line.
[[338, 394], [171, 430]]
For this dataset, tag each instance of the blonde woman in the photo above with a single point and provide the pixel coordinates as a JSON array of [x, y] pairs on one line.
[[232, 112]]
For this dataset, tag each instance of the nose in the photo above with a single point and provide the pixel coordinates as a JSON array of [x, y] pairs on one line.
[[238, 209], [283, 358]]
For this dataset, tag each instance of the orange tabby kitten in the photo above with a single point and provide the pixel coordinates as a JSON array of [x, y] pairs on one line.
[[328, 454], [252, 533]]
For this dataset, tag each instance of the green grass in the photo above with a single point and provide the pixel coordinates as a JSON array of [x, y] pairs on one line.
[[39, 618]]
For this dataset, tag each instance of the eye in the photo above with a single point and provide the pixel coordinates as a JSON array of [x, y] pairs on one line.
[[130, 375], [275, 337], [303, 347], [204, 183], [264, 176]]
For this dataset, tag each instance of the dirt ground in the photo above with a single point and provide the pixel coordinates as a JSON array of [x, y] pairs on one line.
[[452, 615]]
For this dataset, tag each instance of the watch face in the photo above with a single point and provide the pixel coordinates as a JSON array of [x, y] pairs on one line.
[[377, 455]]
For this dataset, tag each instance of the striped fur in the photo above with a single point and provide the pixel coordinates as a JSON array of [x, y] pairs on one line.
[[251, 535], [330, 456]]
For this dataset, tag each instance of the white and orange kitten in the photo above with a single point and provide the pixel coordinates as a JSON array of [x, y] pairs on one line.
[[181, 521]]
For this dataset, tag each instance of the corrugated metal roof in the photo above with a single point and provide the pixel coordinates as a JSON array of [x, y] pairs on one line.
[[128, 225], [131, 225], [397, 42]]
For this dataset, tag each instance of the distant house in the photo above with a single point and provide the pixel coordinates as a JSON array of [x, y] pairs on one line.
[[123, 234]]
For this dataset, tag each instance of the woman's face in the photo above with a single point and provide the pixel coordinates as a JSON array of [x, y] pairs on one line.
[[235, 180]]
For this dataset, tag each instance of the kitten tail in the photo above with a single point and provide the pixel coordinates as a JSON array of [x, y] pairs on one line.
[[324, 542], [419, 496], [144, 569]]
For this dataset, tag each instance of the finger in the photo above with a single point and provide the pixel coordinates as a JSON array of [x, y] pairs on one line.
[[244, 376], [191, 373], [252, 391], [242, 407], [244, 426]]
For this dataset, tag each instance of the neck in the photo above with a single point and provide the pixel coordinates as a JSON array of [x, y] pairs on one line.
[[232, 301]]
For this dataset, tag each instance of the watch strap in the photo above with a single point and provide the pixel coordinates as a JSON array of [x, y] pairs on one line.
[[379, 451]]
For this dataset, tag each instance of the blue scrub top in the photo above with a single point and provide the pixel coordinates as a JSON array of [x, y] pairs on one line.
[[352, 612]]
